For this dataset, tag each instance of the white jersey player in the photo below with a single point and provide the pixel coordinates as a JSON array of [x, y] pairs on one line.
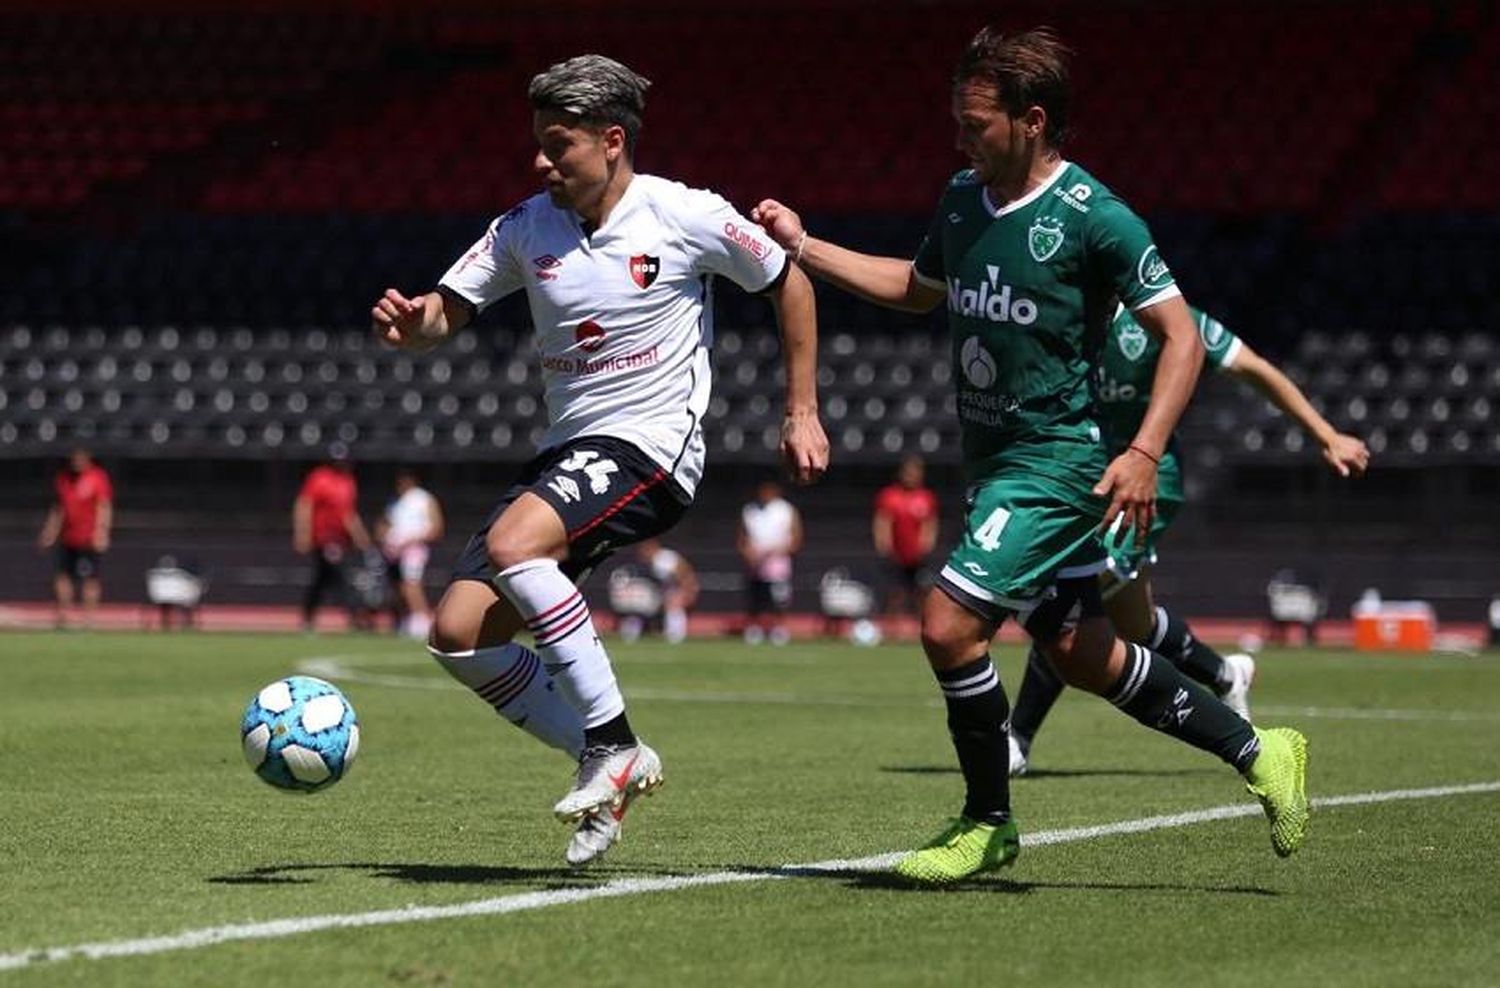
[[412, 523], [770, 536], [617, 269]]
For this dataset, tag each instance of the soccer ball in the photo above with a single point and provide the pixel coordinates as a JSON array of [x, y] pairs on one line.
[[300, 733], [978, 366]]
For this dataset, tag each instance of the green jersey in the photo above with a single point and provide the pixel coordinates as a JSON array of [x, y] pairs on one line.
[[1127, 369], [1032, 286]]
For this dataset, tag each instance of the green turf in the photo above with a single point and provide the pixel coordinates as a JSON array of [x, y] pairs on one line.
[[126, 812]]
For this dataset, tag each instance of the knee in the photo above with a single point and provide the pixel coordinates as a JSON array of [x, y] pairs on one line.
[[1083, 658], [453, 631]]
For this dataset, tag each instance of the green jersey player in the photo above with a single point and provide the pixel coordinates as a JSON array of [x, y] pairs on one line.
[[1126, 367], [1031, 255]]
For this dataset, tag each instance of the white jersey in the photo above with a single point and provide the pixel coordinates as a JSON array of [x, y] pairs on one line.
[[409, 518], [624, 318], [663, 566], [769, 529]]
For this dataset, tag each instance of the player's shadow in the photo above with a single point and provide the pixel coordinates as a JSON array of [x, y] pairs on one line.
[[422, 874], [1061, 773], [889, 881]]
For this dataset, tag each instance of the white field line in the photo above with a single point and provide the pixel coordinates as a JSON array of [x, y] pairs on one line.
[[349, 669], [276, 928]]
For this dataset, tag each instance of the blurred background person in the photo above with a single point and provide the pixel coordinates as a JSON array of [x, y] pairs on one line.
[[79, 524], [770, 536], [412, 523], [325, 524], [905, 528], [676, 585]]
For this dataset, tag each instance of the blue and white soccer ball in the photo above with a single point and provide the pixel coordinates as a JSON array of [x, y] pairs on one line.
[[300, 733]]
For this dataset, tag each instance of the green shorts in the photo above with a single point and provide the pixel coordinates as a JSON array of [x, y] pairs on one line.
[[1025, 529], [1127, 555]]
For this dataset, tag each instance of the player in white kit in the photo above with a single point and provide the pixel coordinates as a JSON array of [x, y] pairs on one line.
[[618, 269], [412, 522], [770, 536]]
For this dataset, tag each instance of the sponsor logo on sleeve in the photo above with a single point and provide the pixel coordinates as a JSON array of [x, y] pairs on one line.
[[1213, 331], [747, 241], [1151, 271], [1044, 238], [643, 269]]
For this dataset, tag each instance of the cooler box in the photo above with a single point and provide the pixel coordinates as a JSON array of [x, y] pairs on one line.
[[1406, 626]]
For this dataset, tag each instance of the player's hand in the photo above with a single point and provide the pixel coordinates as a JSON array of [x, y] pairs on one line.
[[398, 320], [781, 222], [1348, 456], [301, 544], [1130, 484], [804, 447], [101, 543]]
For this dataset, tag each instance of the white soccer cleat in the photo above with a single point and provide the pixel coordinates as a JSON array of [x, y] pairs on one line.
[[1017, 756], [596, 834], [608, 775], [1242, 669]]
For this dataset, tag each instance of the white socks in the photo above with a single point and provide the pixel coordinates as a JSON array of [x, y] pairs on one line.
[[556, 613], [511, 679]]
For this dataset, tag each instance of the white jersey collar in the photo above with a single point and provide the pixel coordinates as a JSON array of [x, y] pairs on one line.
[[1027, 199]]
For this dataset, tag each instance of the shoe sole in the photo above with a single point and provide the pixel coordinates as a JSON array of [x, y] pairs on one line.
[[643, 786], [1301, 807], [938, 880]]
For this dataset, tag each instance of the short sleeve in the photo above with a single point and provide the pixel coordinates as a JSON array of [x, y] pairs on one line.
[[720, 241], [1223, 346], [1122, 252], [487, 272], [928, 264]]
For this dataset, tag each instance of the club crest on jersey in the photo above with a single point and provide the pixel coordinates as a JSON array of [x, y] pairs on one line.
[[1044, 238], [589, 335], [1132, 341], [644, 268]]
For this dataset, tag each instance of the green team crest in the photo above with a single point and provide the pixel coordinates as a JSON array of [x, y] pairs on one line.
[[1132, 341], [1045, 237]]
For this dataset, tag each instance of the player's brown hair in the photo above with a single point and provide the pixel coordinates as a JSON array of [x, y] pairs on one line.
[[1027, 69]]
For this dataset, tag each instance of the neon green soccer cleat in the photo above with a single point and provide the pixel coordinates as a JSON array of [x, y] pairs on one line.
[[1278, 778], [965, 848]]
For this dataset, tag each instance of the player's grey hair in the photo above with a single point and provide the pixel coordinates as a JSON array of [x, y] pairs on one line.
[[598, 90]]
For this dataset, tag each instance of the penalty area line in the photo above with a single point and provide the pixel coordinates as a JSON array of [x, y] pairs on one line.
[[501, 905]]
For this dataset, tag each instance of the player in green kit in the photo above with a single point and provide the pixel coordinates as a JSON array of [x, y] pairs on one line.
[[1031, 255], [1126, 367]]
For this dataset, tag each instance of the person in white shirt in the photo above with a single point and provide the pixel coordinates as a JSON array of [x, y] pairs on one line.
[[676, 584], [412, 523], [618, 270], [770, 535]]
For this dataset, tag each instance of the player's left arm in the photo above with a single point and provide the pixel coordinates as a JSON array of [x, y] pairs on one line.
[[355, 526], [1346, 454], [794, 542], [804, 446], [1130, 480], [435, 521], [687, 582]]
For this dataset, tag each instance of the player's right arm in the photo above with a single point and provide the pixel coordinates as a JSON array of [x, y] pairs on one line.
[[887, 281], [418, 323], [302, 523]]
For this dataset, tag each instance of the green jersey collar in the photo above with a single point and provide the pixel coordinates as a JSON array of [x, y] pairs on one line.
[[1026, 200]]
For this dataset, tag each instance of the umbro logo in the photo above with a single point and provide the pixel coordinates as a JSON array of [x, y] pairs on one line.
[[955, 218]]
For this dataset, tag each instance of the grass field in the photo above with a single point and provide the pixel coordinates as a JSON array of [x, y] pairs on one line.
[[127, 813]]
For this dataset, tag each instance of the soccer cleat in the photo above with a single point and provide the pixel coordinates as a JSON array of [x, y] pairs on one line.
[[1242, 675], [607, 775], [596, 834], [1017, 756], [1278, 778], [965, 848]]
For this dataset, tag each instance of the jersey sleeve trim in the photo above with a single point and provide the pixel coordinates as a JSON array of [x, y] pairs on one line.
[[1231, 354], [776, 282], [449, 292], [1170, 292], [923, 279]]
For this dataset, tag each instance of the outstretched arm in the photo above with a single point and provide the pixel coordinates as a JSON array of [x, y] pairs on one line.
[[1347, 455], [804, 447], [887, 281], [419, 323]]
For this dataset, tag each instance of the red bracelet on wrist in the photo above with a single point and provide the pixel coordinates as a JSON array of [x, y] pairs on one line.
[[1153, 459]]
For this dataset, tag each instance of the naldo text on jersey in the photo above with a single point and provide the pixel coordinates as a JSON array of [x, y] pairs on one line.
[[991, 301]]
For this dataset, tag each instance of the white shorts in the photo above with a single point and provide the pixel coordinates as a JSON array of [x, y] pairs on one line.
[[412, 563]]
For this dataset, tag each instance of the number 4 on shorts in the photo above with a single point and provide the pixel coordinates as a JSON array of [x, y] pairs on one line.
[[988, 535]]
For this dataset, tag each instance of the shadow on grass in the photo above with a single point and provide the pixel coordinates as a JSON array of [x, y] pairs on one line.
[[889, 881], [430, 874], [1062, 773]]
